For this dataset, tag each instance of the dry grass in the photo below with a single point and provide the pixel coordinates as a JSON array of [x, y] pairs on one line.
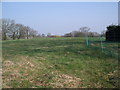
[[66, 81], [33, 72]]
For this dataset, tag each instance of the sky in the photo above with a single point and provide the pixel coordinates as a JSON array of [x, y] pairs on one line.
[[59, 18]]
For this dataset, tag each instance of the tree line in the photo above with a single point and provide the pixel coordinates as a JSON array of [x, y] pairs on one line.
[[12, 30], [82, 32]]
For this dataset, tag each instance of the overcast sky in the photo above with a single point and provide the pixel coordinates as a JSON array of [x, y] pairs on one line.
[[62, 17]]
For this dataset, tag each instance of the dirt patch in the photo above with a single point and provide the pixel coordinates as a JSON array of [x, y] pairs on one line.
[[8, 63], [66, 81]]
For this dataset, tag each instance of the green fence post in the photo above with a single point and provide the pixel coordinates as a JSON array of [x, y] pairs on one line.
[[101, 44], [87, 41]]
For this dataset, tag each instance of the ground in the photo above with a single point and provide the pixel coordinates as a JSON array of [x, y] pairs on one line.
[[58, 63]]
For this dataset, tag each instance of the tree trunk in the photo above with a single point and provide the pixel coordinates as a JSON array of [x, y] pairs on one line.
[[27, 34], [13, 36], [4, 36]]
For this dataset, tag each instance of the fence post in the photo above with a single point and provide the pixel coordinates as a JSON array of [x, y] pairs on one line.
[[87, 43], [101, 43]]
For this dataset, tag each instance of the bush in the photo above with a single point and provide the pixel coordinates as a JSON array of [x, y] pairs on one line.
[[113, 33]]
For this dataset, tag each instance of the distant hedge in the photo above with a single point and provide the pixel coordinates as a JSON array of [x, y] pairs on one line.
[[113, 33]]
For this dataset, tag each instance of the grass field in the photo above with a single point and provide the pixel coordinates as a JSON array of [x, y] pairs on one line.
[[57, 63]]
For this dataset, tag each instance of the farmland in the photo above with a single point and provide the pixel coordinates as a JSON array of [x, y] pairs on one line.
[[58, 63]]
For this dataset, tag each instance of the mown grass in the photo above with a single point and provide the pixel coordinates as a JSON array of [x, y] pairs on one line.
[[57, 63]]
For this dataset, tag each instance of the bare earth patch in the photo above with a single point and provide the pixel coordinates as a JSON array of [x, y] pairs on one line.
[[66, 81], [8, 63]]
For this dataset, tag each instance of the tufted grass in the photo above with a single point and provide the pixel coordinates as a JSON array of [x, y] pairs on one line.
[[57, 63]]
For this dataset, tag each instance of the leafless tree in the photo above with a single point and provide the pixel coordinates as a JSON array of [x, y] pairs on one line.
[[6, 27], [32, 32], [84, 29], [20, 31], [13, 30]]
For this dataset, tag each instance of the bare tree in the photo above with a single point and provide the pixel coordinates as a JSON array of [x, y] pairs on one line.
[[85, 30], [18, 26], [33, 32], [27, 30], [6, 26], [20, 31], [13, 30]]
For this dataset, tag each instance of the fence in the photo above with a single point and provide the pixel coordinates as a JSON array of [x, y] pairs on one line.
[[111, 49]]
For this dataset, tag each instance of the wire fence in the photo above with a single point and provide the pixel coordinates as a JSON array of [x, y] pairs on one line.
[[111, 49]]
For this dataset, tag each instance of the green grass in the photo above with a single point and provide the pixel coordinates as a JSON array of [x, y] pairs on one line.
[[57, 63]]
